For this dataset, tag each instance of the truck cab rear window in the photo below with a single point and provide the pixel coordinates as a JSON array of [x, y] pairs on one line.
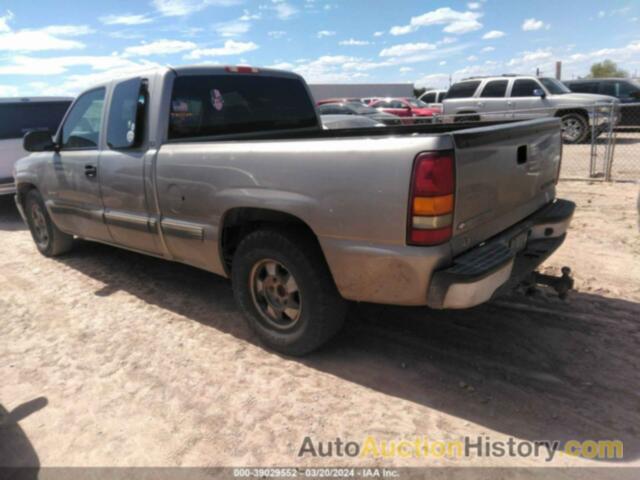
[[215, 105], [462, 90]]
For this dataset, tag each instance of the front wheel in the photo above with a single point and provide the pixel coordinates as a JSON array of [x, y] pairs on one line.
[[285, 291], [575, 128], [49, 240]]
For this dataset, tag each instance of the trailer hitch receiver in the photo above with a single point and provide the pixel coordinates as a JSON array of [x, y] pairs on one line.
[[561, 284]]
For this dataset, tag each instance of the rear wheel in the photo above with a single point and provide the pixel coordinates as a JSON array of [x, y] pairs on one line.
[[575, 128], [49, 240], [285, 291]]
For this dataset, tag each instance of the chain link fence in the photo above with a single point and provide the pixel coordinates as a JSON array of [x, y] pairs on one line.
[[624, 163]]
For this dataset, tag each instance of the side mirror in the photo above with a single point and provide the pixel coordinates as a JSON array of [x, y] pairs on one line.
[[538, 92], [38, 141]]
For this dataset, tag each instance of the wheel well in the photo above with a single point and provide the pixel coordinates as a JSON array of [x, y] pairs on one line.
[[240, 222], [579, 111], [22, 190]]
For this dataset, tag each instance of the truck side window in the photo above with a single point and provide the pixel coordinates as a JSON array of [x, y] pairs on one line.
[[125, 127], [462, 90], [81, 129], [524, 88], [20, 118], [228, 104], [429, 98], [495, 89]]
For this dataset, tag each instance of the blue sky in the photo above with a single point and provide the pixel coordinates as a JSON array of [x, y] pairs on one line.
[[51, 47]]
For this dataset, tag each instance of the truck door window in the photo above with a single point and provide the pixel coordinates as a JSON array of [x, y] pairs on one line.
[[211, 105], [524, 88], [429, 98], [81, 129], [125, 127], [495, 89]]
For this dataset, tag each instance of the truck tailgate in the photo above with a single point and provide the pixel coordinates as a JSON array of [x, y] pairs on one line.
[[504, 173]]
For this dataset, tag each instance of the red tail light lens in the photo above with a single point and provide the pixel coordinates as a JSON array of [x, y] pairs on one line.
[[431, 199], [433, 174]]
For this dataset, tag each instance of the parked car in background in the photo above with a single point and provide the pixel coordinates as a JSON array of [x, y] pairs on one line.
[[359, 109], [433, 98], [228, 169], [338, 100], [627, 91], [524, 97], [368, 100], [17, 117], [331, 122], [415, 111]]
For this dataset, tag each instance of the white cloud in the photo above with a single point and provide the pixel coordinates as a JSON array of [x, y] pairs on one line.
[[230, 47], [443, 62], [353, 42], [406, 49], [378, 34], [472, 58], [473, 5], [455, 22], [282, 9], [530, 57], [4, 21], [434, 80], [43, 39], [282, 66], [180, 8], [9, 91], [405, 69], [159, 47], [531, 24], [326, 33], [126, 19], [487, 49], [233, 28], [248, 16], [493, 34], [27, 65], [277, 33], [447, 40]]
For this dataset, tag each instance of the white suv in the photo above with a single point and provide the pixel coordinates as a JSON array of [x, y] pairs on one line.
[[19, 116], [524, 97]]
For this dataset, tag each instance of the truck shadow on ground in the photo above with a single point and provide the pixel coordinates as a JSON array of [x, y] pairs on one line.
[[530, 367], [18, 459], [9, 217]]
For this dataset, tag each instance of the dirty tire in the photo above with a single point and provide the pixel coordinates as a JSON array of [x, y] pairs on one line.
[[575, 128], [49, 240], [321, 309]]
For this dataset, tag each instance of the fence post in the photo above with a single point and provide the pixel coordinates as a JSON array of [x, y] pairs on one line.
[[610, 145], [592, 165]]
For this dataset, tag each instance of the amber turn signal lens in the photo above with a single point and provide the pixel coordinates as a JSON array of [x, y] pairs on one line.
[[433, 205]]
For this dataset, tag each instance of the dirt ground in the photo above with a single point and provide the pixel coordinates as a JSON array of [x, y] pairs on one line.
[[112, 358]]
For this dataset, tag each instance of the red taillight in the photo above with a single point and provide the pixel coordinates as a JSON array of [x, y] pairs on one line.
[[242, 69], [431, 199], [433, 174]]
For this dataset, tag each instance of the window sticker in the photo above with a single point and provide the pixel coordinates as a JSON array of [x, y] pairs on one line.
[[216, 99]]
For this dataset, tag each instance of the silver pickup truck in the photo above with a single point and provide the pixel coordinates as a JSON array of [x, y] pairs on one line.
[[229, 170]]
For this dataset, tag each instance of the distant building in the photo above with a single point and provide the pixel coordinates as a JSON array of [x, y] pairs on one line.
[[360, 90]]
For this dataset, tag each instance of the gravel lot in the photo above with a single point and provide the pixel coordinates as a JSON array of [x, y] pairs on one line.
[[113, 358]]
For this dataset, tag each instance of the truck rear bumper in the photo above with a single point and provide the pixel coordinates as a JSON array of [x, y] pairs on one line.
[[502, 262]]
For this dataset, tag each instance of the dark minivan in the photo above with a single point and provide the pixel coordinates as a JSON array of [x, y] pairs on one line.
[[624, 89]]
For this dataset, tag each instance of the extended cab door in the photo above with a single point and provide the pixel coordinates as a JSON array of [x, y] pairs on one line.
[[125, 169], [73, 191]]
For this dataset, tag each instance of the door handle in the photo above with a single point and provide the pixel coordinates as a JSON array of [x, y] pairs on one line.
[[90, 171]]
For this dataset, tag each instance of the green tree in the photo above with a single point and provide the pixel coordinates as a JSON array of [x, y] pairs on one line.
[[607, 68]]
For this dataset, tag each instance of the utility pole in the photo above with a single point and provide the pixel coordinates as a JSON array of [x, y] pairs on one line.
[[558, 70]]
